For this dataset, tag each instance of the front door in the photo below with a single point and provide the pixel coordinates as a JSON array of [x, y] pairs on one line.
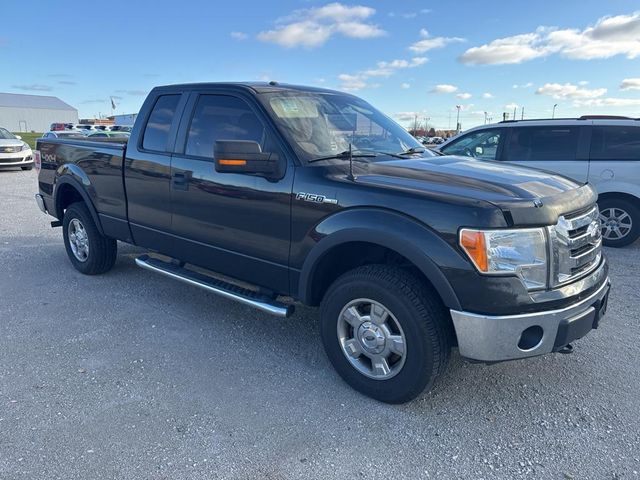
[[235, 224]]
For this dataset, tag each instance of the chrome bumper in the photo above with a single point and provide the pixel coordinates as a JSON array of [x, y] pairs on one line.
[[496, 338], [40, 202]]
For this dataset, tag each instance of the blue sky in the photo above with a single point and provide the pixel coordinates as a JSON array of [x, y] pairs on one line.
[[407, 58]]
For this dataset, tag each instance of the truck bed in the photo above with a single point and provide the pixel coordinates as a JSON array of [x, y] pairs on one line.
[[96, 164]]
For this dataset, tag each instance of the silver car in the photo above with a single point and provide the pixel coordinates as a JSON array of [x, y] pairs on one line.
[[14, 152], [601, 150]]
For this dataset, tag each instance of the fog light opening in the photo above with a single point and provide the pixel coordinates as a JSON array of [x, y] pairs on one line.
[[531, 338]]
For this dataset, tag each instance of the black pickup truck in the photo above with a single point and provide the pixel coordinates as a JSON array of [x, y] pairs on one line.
[[274, 194]]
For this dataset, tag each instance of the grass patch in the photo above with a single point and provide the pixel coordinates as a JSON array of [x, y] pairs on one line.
[[29, 137]]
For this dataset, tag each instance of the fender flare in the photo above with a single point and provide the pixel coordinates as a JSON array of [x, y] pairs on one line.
[[80, 182], [397, 232]]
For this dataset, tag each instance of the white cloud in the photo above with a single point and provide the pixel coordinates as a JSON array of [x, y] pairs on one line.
[[511, 106], [464, 96], [524, 85], [405, 86], [239, 35], [487, 95], [608, 102], [583, 82], [444, 88], [312, 27], [610, 36], [430, 43], [351, 82], [358, 81], [630, 84], [568, 90], [408, 15], [408, 116]]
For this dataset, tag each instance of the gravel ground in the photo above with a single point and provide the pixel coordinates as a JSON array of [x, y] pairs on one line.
[[131, 375]]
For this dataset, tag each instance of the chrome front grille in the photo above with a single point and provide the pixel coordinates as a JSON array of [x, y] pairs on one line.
[[576, 246], [10, 149]]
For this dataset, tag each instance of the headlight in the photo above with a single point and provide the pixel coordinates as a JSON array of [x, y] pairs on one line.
[[25, 147], [521, 252]]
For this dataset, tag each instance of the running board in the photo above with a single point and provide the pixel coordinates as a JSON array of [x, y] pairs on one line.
[[219, 287]]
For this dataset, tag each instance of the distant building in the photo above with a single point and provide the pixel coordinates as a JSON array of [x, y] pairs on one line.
[[33, 113], [127, 119]]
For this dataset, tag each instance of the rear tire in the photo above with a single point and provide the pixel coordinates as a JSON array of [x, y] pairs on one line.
[[90, 252], [415, 335], [620, 220]]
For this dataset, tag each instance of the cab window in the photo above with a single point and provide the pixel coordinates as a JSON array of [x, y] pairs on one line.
[[222, 117], [156, 132], [482, 144]]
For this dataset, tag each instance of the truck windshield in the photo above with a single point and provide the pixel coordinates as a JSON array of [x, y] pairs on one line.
[[324, 124]]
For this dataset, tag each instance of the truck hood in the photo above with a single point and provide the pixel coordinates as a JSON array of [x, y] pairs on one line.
[[525, 195]]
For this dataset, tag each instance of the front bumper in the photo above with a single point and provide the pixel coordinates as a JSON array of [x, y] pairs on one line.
[[489, 338], [17, 159]]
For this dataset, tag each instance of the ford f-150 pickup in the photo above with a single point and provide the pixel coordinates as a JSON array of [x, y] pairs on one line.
[[273, 194]]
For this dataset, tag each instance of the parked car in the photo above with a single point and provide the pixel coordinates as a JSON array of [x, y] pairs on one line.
[[109, 134], [55, 127], [603, 151], [65, 134], [120, 128], [280, 192], [14, 152]]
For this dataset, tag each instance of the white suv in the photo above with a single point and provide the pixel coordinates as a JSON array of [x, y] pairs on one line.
[[601, 150]]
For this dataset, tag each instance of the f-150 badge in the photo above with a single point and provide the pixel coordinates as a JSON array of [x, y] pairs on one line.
[[312, 197]]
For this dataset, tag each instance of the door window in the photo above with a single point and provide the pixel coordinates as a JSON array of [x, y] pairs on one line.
[[221, 117], [543, 143], [615, 143], [482, 144], [156, 132]]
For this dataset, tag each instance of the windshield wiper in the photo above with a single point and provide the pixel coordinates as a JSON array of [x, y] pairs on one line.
[[411, 151], [345, 155]]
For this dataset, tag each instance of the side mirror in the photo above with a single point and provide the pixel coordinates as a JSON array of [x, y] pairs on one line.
[[245, 156], [479, 151]]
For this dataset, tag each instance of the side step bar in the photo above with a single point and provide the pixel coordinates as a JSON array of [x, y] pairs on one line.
[[224, 289]]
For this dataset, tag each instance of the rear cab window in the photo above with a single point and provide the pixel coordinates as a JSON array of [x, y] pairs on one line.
[[157, 129]]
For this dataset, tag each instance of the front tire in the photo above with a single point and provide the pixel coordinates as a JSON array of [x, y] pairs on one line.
[[28, 167], [620, 221], [90, 252], [385, 332]]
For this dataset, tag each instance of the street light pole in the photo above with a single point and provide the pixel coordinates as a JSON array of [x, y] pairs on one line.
[[458, 119], [553, 114]]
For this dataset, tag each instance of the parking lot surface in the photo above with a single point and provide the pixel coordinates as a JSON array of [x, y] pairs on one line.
[[132, 375]]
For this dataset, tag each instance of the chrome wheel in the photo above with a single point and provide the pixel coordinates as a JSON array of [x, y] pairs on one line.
[[372, 339], [78, 240], [615, 222]]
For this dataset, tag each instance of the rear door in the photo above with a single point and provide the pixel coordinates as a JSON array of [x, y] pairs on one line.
[[232, 223], [559, 149], [148, 172]]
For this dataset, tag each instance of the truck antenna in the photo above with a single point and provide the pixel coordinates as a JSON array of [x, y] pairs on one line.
[[350, 176]]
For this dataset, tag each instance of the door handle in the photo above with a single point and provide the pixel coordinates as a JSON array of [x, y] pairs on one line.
[[180, 180]]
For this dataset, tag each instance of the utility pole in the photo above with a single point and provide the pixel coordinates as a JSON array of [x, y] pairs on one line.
[[553, 115], [522, 114], [415, 125], [485, 118], [514, 112], [458, 119]]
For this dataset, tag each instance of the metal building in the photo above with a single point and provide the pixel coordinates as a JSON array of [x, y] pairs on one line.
[[33, 113], [125, 119]]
